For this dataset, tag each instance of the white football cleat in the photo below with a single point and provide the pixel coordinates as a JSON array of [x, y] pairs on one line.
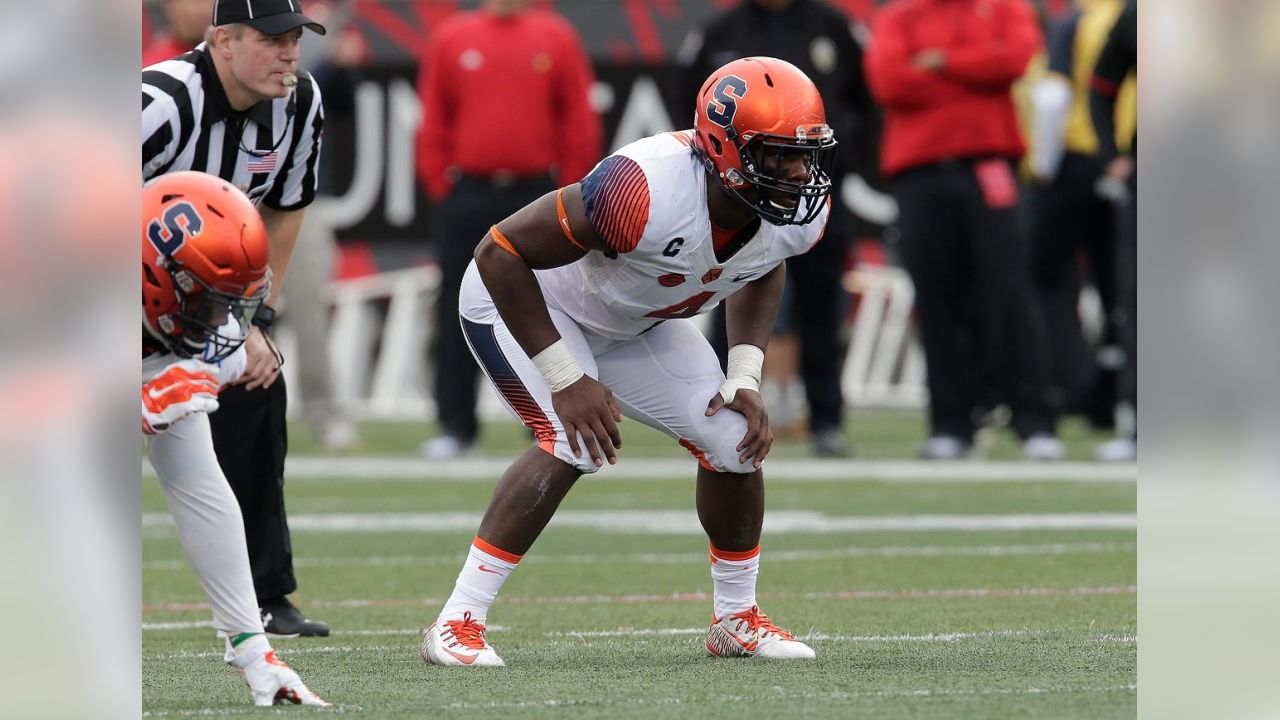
[[459, 643], [272, 682], [750, 633]]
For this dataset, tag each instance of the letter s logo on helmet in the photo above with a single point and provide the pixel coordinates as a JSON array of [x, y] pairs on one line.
[[761, 129], [204, 264], [723, 105]]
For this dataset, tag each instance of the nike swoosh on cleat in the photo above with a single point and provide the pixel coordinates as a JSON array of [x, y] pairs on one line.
[[482, 568], [464, 659]]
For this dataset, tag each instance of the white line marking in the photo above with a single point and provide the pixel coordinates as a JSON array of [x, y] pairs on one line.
[[677, 558], [407, 632], [947, 637], [558, 636], [934, 593], [778, 470], [685, 522]]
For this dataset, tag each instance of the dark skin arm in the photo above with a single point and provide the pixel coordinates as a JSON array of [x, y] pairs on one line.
[[749, 316], [586, 406]]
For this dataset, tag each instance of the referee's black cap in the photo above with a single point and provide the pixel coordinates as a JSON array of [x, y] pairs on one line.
[[272, 17]]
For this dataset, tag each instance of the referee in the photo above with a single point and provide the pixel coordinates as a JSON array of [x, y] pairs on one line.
[[238, 107]]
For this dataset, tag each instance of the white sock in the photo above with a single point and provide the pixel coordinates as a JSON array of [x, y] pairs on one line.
[[487, 567], [247, 650], [733, 580]]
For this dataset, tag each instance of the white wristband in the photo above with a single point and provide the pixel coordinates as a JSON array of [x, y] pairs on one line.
[[745, 363], [557, 365]]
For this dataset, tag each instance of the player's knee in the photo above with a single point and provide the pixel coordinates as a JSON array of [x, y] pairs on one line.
[[561, 451], [717, 449], [725, 460]]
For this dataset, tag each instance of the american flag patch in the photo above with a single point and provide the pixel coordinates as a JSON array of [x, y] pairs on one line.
[[266, 163]]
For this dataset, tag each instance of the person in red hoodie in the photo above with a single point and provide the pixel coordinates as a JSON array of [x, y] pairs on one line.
[[943, 69], [504, 91]]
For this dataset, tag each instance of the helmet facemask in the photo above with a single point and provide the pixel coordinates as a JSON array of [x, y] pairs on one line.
[[766, 159], [214, 321]]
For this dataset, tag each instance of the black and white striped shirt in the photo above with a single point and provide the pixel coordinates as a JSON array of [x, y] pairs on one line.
[[188, 124]]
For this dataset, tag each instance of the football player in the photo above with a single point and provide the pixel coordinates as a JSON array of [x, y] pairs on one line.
[[204, 275], [578, 309]]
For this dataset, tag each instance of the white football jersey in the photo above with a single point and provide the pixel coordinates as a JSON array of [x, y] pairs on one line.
[[648, 202]]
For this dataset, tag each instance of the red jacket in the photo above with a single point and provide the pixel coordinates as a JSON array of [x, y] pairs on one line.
[[162, 48], [505, 96], [964, 109]]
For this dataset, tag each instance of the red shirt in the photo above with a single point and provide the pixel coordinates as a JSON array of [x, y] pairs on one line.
[[161, 48], [505, 95], [963, 109]]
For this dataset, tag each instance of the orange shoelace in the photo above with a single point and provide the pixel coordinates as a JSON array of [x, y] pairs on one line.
[[761, 623], [467, 632]]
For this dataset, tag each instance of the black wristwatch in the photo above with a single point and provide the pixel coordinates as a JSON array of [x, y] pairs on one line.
[[265, 317]]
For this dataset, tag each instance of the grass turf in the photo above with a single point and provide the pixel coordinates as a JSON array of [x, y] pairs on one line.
[[906, 624]]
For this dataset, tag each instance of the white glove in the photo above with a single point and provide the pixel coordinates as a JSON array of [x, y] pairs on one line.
[[183, 388], [270, 680]]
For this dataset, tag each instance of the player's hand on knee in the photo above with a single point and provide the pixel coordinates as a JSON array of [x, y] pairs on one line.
[[758, 440], [262, 366], [587, 407], [184, 388]]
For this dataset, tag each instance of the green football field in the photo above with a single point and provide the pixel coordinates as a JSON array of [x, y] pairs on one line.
[[970, 590]]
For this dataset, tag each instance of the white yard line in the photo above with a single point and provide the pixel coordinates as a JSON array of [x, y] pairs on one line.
[[587, 635], [685, 522], [777, 470], [678, 558], [925, 593]]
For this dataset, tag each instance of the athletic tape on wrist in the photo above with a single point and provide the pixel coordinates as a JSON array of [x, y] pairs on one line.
[[745, 364], [557, 365]]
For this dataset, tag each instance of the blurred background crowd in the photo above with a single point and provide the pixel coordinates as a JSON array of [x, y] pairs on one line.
[[981, 262]]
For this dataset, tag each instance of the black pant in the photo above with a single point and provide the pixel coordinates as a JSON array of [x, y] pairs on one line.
[[970, 263], [1071, 220], [461, 221], [818, 304], [250, 439]]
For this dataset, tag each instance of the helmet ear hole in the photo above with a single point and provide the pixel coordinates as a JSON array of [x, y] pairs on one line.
[[151, 276], [715, 145]]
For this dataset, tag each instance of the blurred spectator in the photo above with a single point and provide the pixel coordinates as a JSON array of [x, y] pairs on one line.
[[943, 70], [820, 40], [333, 60], [1070, 218], [505, 95], [1119, 183], [185, 23]]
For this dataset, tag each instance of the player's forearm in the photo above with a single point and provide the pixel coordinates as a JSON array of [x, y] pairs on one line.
[[750, 312], [283, 227], [517, 296]]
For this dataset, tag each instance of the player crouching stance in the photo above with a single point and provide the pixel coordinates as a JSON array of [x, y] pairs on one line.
[[204, 274], [578, 306]]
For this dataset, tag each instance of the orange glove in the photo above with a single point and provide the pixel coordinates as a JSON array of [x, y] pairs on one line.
[[184, 388]]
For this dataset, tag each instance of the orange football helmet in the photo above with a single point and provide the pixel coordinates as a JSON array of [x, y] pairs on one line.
[[761, 129], [204, 264]]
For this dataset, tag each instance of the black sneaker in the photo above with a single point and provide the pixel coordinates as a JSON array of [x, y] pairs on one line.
[[281, 619]]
